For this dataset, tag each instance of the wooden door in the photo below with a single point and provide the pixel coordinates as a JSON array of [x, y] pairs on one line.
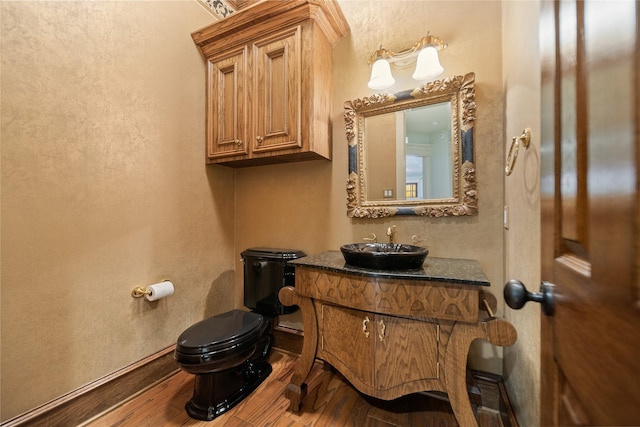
[[277, 108], [226, 105], [589, 186]]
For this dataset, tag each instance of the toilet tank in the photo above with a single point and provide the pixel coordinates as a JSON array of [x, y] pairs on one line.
[[265, 272]]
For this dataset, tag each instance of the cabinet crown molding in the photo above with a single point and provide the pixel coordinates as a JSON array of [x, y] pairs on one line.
[[271, 14]]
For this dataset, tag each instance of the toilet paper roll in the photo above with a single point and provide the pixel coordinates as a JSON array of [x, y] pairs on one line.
[[159, 290]]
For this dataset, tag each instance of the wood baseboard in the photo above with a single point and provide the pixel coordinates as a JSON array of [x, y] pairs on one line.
[[493, 396], [288, 339], [97, 397], [103, 394]]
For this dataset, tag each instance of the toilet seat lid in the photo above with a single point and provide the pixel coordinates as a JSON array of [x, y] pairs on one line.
[[222, 332]]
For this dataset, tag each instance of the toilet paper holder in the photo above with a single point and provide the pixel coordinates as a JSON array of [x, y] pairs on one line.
[[139, 291]]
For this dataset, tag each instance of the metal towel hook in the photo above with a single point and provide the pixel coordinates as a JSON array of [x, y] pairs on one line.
[[525, 139]]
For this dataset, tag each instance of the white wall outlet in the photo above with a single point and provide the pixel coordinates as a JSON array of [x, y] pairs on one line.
[[505, 217]]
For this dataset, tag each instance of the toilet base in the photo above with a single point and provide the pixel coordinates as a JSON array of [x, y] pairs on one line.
[[214, 394]]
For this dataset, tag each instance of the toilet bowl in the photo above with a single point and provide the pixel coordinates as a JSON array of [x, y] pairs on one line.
[[228, 352]]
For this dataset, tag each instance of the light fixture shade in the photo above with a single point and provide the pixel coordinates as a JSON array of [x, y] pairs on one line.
[[428, 65], [381, 77]]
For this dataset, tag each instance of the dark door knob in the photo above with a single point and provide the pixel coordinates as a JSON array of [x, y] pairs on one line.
[[516, 296]]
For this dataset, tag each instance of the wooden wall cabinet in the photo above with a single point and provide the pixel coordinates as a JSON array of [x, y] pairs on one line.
[[269, 82]]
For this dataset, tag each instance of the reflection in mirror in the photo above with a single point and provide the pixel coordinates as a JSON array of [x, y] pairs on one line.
[[418, 166], [411, 153]]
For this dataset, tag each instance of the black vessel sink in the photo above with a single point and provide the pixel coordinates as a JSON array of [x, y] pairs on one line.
[[384, 256]]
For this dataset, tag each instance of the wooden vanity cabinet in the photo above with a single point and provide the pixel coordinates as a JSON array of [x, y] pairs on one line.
[[269, 81], [395, 333]]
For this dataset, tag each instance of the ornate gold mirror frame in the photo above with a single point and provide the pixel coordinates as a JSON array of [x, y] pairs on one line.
[[458, 90]]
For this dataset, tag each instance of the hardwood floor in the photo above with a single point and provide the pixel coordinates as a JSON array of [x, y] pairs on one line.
[[331, 401]]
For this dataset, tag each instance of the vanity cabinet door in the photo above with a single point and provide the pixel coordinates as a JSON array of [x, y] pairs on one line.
[[383, 356], [226, 101], [277, 79], [406, 352], [347, 340]]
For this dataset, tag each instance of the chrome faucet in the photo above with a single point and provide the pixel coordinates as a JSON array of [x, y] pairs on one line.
[[391, 232]]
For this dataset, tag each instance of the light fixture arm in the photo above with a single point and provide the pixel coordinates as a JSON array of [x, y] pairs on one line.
[[391, 56]]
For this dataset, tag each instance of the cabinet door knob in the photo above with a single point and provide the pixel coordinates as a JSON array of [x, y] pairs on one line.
[[238, 142], [364, 326], [381, 329], [259, 139]]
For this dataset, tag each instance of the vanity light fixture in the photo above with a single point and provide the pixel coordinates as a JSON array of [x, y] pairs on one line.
[[424, 53]]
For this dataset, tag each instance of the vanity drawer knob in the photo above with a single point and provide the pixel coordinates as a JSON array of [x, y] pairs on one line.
[[381, 328], [364, 326], [259, 139]]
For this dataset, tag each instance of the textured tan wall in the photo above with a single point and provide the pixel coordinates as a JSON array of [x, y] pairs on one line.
[[304, 205], [104, 187], [522, 195]]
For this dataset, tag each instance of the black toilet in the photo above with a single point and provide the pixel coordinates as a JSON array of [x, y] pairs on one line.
[[228, 353]]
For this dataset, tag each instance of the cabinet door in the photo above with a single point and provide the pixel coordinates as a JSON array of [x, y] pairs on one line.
[[277, 103], [406, 352], [226, 104], [348, 337]]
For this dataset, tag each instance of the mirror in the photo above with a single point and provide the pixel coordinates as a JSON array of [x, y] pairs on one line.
[[411, 153]]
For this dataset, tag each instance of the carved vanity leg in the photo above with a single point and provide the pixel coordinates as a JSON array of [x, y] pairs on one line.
[[295, 394], [455, 370], [495, 330], [297, 389]]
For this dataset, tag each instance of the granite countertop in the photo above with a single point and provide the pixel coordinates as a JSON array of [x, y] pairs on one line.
[[462, 271]]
